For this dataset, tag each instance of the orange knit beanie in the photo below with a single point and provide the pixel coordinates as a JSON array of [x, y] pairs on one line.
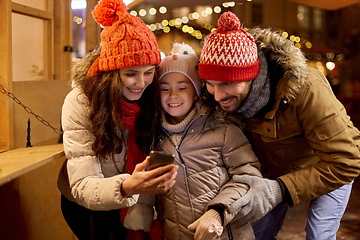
[[126, 40]]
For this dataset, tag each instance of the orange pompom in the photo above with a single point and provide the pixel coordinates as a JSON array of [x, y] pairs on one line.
[[105, 13], [228, 21]]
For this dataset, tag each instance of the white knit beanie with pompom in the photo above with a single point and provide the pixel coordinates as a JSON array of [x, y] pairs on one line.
[[183, 59]]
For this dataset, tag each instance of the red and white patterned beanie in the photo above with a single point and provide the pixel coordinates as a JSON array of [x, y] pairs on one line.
[[229, 53]]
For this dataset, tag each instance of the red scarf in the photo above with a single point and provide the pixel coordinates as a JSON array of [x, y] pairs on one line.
[[134, 156]]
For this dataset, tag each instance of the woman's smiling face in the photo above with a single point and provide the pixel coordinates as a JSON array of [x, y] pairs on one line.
[[135, 80]]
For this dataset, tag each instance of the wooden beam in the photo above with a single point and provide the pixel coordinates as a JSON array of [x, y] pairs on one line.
[[30, 11], [93, 29], [6, 104], [62, 38]]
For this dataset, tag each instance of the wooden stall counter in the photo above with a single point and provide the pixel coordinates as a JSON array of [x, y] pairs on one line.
[[29, 197], [20, 161]]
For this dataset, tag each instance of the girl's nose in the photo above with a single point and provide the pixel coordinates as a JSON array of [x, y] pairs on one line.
[[173, 93]]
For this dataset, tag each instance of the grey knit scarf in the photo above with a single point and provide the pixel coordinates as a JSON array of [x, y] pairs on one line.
[[259, 94]]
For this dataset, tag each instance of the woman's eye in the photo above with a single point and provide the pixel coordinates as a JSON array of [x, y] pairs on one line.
[[130, 74], [149, 73]]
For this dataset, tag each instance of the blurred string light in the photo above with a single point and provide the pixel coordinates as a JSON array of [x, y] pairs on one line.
[[180, 23], [152, 11], [303, 43], [78, 20], [142, 12], [162, 10], [330, 65], [177, 23], [191, 16], [217, 9]]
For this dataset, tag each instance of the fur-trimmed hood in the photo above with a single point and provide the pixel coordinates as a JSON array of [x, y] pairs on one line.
[[284, 53], [81, 68]]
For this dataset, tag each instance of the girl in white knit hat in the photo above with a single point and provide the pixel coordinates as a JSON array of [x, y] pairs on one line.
[[208, 148]]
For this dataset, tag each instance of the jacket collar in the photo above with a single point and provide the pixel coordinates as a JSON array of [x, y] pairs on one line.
[[283, 52]]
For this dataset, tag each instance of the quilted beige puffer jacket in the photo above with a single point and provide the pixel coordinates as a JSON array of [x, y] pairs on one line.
[[91, 183], [210, 153]]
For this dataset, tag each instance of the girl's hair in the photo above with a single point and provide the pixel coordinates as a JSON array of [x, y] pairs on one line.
[[106, 114]]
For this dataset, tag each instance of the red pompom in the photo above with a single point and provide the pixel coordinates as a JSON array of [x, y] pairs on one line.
[[105, 12], [228, 21]]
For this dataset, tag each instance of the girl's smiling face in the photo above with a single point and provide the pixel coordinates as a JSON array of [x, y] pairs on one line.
[[135, 80], [177, 95]]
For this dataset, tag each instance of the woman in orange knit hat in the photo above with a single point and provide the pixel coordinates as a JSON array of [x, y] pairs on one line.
[[109, 121]]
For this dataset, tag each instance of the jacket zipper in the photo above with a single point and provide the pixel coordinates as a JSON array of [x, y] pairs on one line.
[[284, 104], [229, 232], [182, 161]]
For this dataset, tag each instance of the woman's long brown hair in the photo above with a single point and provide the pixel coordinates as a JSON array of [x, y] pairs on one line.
[[106, 114]]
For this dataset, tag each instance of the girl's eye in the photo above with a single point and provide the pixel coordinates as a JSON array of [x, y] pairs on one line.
[[182, 89], [164, 89], [130, 74]]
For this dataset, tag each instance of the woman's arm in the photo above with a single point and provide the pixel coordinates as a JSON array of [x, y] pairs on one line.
[[88, 185]]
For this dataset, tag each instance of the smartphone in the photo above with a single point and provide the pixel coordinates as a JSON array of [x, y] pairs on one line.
[[158, 159]]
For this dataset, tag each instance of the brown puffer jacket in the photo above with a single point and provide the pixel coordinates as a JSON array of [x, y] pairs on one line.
[[210, 153], [306, 138]]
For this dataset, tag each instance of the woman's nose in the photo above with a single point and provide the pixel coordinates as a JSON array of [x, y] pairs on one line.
[[140, 82]]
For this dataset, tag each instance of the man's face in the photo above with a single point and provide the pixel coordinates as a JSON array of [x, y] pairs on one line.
[[230, 95]]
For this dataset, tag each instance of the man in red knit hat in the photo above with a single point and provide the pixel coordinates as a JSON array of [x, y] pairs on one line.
[[302, 135]]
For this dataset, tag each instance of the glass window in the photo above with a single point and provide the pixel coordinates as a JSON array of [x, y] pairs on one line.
[[78, 30], [317, 18], [257, 14], [28, 51], [181, 12], [303, 16], [204, 13]]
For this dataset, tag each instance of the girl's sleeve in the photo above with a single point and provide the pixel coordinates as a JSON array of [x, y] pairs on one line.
[[88, 185], [239, 159], [140, 216]]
